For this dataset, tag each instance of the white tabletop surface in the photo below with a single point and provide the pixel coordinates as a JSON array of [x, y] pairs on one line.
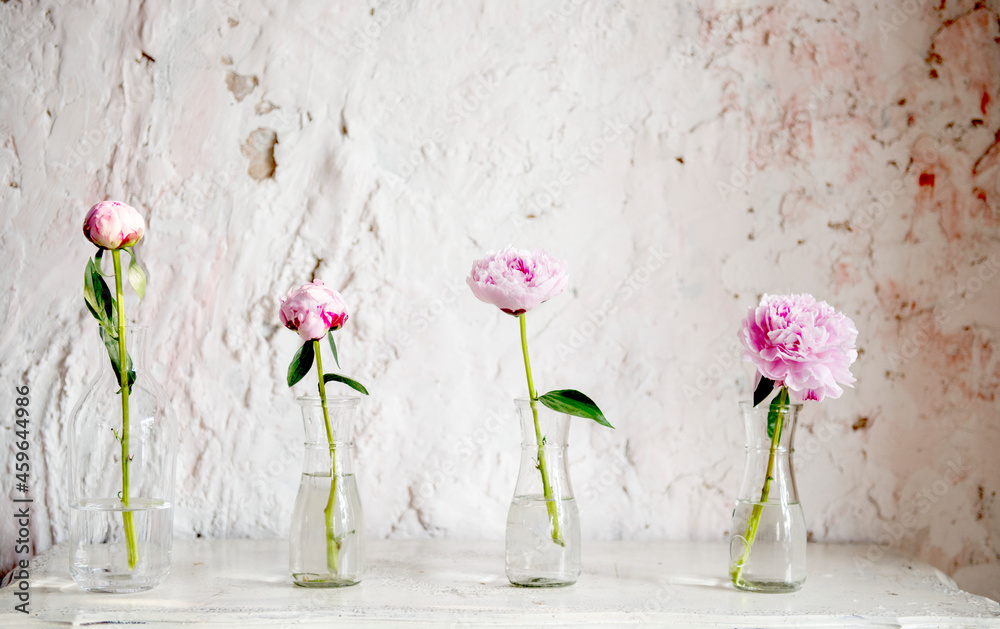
[[444, 583]]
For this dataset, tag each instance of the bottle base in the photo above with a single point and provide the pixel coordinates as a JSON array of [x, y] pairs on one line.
[[312, 580], [769, 587], [541, 582], [104, 582]]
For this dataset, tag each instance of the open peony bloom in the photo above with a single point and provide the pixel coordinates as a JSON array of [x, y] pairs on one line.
[[113, 225], [801, 343], [516, 281], [313, 310]]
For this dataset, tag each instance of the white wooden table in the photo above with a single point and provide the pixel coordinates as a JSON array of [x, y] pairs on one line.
[[438, 583]]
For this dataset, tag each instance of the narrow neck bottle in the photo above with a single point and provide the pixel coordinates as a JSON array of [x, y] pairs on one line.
[[768, 533], [543, 523], [327, 537]]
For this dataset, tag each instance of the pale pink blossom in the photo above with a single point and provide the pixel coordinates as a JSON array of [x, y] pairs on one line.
[[515, 280], [801, 343], [113, 225], [312, 310]]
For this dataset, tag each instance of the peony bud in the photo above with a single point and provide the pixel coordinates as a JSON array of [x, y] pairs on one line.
[[312, 310], [113, 225]]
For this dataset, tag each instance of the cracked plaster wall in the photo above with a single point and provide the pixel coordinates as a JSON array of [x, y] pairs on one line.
[[683, 157]]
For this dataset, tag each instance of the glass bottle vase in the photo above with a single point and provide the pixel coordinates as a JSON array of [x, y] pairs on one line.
[[121, 525], [327, 539], [543, 523], [767, 544]]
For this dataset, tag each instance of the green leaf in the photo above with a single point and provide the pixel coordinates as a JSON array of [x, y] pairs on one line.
[[574, 403], [354, 384], [333, 346], [111, 343], [136, 277], [301, 363], [774, 410], [97, 295], [93, 305], [764, 388]]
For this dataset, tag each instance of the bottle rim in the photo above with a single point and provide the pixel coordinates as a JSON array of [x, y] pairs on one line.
[[331, 400]]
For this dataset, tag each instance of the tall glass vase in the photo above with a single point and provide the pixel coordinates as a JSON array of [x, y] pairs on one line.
[[327, 540], [543, 523], [122, 479], [767, 545]]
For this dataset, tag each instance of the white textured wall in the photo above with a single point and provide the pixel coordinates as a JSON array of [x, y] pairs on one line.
[[683, 157]]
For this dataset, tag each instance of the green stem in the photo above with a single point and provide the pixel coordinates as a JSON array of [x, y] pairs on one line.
[[758, 509], [332, 543], [550, 502], [130, 538]]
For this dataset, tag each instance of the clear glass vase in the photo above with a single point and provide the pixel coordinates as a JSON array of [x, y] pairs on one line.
[[327, 539], [543, 523], [767, 545], [122, 514]]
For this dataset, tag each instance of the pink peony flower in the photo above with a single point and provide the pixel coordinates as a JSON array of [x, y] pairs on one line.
[[312, 310], [516, 281], [801, 343], [113, 225]]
